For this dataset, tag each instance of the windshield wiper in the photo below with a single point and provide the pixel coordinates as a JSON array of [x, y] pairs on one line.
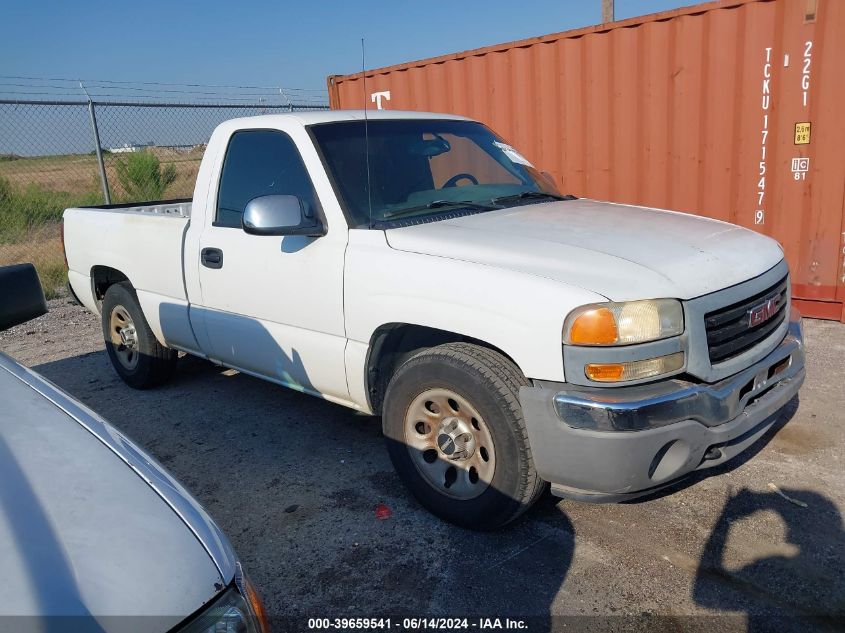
[[440, 204], [526, 195]]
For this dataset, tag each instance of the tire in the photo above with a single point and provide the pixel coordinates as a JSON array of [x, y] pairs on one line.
[[456, 406], [139, 359]]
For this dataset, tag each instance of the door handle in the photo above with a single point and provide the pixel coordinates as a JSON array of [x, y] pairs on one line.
[[211, 257]]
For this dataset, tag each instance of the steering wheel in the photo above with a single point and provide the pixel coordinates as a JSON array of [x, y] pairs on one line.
[[453, 181]]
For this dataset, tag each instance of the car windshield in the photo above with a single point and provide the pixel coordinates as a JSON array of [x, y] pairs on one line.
[[420, 169]]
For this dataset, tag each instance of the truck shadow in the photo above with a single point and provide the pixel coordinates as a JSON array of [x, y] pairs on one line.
[[294, 481]]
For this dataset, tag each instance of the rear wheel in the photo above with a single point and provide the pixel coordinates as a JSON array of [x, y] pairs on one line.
[[457, 438], [139, 359]]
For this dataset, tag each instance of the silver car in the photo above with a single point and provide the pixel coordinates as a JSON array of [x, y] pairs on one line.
[[94, 534]]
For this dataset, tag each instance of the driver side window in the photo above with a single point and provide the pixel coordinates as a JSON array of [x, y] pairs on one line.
[[260, 163]]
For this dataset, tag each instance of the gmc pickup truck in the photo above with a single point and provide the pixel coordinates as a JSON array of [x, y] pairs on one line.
[[418, 267]]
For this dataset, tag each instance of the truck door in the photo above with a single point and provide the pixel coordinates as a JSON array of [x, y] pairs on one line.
[[272, 305]]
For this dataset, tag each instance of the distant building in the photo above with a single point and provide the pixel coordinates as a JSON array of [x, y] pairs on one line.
[[130, 147]]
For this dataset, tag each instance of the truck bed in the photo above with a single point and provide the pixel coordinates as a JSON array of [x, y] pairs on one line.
[[142, 241]]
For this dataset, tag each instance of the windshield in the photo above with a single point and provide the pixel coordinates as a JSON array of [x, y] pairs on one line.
[[423, 168]]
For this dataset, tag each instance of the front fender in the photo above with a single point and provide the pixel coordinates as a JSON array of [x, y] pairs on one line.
[[519, 313]]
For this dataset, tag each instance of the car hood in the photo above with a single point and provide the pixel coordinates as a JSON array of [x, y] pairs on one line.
[[619, 251], [84, 527]]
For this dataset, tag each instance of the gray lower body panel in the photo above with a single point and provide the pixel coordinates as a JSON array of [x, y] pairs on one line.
[[596, 464]]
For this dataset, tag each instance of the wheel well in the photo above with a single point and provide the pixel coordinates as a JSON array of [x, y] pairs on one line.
[[393, 343], [102, 277]]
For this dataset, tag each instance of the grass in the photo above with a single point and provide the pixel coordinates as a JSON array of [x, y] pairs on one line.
[[43, 248], [79, 173], [30, 230], [34, 191], [23, 209]]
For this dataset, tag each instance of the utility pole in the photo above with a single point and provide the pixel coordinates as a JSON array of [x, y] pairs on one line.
[[607, 11]]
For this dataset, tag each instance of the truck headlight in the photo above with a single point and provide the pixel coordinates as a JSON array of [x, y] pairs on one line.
[[624, 323]]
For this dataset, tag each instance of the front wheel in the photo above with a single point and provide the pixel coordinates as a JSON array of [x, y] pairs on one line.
[[456, 435], [134, 351]]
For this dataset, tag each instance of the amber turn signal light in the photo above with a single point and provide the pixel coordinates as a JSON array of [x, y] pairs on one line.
[[634, 370], [605, 372], [594, 327]]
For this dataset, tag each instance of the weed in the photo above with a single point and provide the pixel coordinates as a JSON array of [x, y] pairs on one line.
[[142, 176]]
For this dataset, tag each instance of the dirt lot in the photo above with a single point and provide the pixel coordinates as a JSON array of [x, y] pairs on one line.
[[294, 481]]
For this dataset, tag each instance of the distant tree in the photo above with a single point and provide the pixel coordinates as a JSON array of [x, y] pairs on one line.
[[142, 176]]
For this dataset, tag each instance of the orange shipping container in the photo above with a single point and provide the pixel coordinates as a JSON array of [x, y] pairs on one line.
[[734, 110]]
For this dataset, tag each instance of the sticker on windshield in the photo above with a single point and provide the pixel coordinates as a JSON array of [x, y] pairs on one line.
[[511, 153]]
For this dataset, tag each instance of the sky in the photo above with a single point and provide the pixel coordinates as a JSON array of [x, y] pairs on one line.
[[229, 52], [265, 42]]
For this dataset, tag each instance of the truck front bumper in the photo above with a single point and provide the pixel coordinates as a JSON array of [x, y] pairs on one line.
[[613, 444]]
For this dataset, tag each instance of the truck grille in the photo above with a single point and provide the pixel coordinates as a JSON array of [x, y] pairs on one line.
[[733, 329]]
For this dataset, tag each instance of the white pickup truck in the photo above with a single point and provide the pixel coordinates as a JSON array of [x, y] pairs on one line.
[[416, 266]]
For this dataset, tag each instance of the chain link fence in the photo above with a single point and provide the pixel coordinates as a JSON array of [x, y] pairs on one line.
[[49, 161]]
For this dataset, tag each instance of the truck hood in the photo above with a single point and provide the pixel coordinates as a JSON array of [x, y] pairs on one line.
[[619, 251], [84, 528]]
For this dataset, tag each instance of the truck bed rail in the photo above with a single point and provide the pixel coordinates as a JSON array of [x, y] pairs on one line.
[[180, 207]]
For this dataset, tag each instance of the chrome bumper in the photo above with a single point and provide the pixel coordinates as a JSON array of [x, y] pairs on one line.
[[617, 443], [670, 401]]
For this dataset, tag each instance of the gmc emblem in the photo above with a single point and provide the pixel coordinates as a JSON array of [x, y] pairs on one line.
[[765, 311]]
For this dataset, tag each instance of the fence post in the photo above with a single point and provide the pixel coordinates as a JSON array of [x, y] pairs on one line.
[[286, 98], [103, 178]]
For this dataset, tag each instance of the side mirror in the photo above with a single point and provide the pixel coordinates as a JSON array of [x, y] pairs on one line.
[[23, 298], [280, 215]]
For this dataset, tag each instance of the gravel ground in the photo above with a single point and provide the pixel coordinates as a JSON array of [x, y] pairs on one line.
[[294, 481]]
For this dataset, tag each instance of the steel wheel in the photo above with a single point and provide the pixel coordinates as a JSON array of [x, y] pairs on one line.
[[124, 337], [450, 444]]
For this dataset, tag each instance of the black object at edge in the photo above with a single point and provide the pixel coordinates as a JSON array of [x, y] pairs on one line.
[[21, 296]]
